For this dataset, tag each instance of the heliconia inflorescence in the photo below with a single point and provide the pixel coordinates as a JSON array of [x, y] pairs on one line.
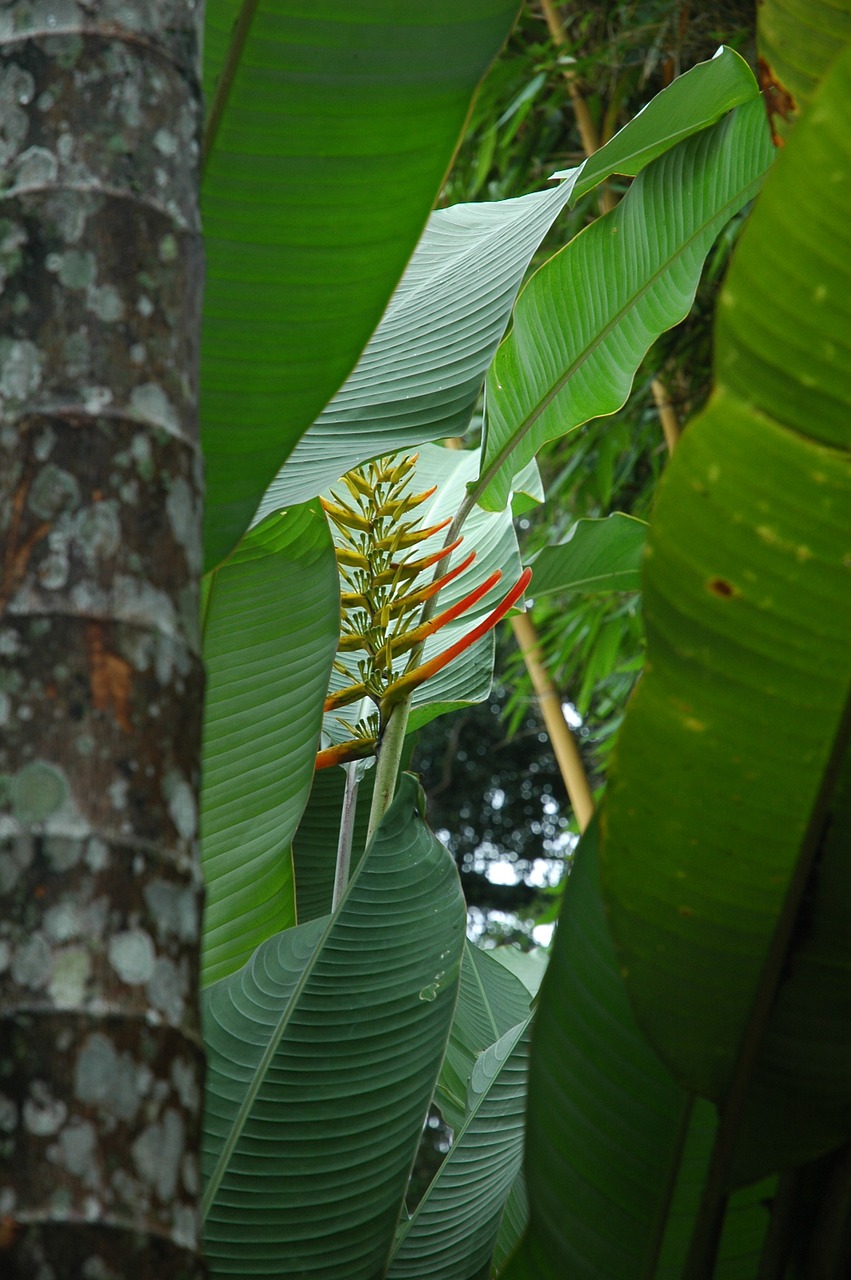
[[383, 595]]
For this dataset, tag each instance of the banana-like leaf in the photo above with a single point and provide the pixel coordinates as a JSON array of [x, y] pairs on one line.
[[515, 1217], [452, 1233], [322, 1057], [616, 1153], [528, 966], [421, 374], [596, 556], [727, 756], [798, 40], [605, 1116], [491, 1001], [270, 630], [690, 103], [586, 319], [330, 128], [799, 1103]]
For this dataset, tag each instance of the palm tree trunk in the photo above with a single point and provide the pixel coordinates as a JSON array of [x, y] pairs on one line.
[[100, 675]]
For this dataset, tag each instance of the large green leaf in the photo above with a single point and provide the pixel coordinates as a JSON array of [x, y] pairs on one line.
[[420, 376], [799, 1103], [452, 1233], [690, 103], [616, 1152], [270, 629], [322, 1057], [784, 327], [596, 556], [605, 1116], [798, 40], [587, 317], [723, 770], [331, 126], [491, 1000]]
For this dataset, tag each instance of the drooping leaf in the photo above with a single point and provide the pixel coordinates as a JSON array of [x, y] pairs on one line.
[[421, 373], [270, 621], [604, 1115], [452, 1233], [690, 103], [491, 1000], [322, 1057], [616, 1152], [587, 317], [330, 128], [783, 336], [799, 1103], [596, 556], [748, 610], [420, 376]]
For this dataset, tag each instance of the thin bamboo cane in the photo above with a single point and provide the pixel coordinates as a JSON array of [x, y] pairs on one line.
[[563, 742]]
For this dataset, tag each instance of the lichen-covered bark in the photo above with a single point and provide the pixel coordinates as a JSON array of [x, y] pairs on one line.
[[100, 677]]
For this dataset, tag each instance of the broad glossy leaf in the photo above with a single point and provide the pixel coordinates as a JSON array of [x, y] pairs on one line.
[[322, 1057], [616, 1153], [748, 611], [528, 966], [799, 1104], [798, 41], [515, 1217], [270, 624], [330, 129], [605, 1115], [491, 1000], [452, 1233], [585, 320], [690, 103], [596, 556], [784, 324], [421, 374]]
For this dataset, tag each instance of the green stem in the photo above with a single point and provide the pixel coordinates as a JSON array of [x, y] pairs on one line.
[[347, 831], [387, 763]]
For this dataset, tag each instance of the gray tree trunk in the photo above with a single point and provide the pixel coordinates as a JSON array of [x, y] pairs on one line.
[[100, 676]]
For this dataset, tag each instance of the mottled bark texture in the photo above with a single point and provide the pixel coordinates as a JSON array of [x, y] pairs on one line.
[[100, 676]]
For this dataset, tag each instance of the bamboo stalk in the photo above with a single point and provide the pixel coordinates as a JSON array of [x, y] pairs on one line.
[[667, 414], [584, 120], [563, 742]]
